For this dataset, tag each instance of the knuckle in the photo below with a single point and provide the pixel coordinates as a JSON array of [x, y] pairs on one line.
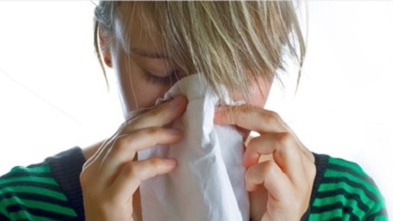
[[243, 108], [120, 143], [129, 170], [272, 117], [286, 146], [133, 124], [153, 131], [284, 138], [251, 176], [142, 120], [269, 168], [155, 162], [128, 126], [156, 111]]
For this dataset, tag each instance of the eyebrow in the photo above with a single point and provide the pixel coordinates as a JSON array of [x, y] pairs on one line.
[[149, 54]]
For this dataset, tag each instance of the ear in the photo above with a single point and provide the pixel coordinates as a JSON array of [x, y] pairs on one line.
[[105, 50]]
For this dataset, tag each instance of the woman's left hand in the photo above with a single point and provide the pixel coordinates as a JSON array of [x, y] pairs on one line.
[[280, 169]]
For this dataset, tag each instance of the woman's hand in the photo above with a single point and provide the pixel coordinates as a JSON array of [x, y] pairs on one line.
[[111, 177], [280, 169]]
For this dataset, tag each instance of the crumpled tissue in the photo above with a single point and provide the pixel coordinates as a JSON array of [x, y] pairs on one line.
[[208, 183]]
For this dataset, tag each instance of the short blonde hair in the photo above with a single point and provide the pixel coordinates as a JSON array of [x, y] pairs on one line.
[[231, 42]]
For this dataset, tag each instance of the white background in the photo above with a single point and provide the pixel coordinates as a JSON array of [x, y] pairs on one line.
[[53, 94]]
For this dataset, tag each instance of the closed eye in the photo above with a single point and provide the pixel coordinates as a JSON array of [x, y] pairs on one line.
[[167, 79]]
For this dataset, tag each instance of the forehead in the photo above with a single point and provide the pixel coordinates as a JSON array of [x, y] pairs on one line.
[[135, 27]]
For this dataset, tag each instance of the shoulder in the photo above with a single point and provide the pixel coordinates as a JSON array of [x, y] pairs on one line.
[[36, 192], [342, 189]]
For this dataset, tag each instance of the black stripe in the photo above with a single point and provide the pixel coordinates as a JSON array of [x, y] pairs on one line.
[[36, 197], [349, 170], [39, 212], [321, 162], [3, 217], [354, 218], [35, 165], [334, 206], [336, 219], [351, 183], [30, 184], [342, 192]]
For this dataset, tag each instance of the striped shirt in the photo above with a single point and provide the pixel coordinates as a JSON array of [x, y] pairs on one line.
[[51, 191]]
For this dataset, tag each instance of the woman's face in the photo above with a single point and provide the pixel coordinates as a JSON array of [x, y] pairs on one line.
[[147, 73]]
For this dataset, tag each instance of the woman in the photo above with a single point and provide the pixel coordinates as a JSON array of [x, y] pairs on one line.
[[152, 45]]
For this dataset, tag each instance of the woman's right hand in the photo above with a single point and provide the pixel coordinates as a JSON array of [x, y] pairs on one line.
[[111, 177]]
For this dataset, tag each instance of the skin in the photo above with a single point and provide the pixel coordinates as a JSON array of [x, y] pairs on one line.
[[280, 169]]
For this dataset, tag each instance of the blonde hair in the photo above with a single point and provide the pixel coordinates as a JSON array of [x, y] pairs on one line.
[[231, 43]]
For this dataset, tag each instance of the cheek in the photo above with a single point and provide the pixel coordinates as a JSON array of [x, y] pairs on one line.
[[259, 92], [134, 90], [145, 94]]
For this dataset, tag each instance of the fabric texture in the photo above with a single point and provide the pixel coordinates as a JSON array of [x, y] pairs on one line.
[[341, 191], [45, 191]]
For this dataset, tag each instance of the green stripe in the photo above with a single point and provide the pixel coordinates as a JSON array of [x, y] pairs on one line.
[[41, 205], [381, 218], [46, 180], [39, 169], [25, 215], [340, 198], [353, 166], [332, 187], [328, 215], [3, 211], [349, 189], [377, 207], [365, 184], [50, 207], [347, 216], [36, 190]]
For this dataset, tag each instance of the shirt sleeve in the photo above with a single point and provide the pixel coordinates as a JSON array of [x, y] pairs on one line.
[[343, 191], [36, 193]]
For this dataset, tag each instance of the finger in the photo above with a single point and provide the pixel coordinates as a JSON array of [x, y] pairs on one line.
[[159, 116], [250, 158], [132, 173], [255, 119], [250, 118], [126, 146], [271, 177], [284, 149]]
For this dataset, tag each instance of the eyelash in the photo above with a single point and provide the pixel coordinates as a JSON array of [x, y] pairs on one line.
[[167, 80]]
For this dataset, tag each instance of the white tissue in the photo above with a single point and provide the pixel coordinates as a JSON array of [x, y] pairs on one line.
[[208, 183]]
